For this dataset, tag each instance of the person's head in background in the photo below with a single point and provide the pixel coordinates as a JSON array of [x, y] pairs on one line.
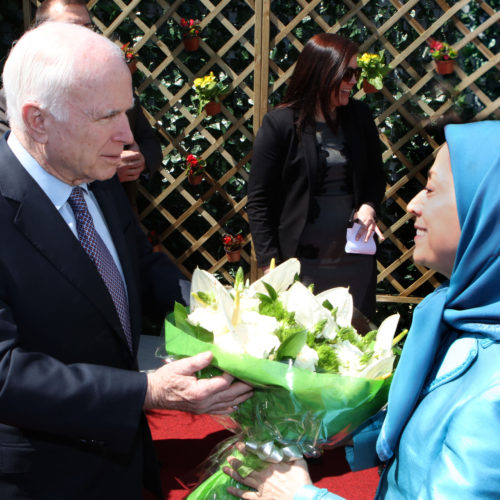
[[323, 77], [66, 11]]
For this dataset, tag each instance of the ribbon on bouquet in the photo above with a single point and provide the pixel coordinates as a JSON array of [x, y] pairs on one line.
[[274, 453]]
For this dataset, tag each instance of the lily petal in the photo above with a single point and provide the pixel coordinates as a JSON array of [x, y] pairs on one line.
[[280, 278], [341, 299], [385, 334]]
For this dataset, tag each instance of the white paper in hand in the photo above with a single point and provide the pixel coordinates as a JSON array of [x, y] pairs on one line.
[[359, 246]]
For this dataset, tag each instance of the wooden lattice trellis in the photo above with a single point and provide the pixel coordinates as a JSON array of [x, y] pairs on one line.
[[252, 28]]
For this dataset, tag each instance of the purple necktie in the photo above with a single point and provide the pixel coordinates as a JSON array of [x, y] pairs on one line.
[[101, 257]]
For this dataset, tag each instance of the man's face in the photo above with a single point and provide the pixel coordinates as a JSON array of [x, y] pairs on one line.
[[87, 145], [75, 14]]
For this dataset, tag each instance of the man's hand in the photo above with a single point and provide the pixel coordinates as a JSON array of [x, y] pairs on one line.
[[131, 165], [175, 387]]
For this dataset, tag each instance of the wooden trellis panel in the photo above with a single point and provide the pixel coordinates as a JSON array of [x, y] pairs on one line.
[[413, 99]]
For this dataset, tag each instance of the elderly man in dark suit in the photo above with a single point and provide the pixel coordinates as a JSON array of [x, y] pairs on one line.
[[74, 266], [143, 155]]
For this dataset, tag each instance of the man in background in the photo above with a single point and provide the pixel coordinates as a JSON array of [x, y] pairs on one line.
[[74, 266]]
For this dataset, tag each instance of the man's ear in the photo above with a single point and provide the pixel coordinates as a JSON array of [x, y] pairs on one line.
[[35, 121]]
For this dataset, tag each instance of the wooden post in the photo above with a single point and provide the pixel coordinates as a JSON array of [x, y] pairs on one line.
[[261, 84]]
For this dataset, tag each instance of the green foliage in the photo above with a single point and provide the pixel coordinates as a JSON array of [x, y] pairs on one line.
[[328, 360]]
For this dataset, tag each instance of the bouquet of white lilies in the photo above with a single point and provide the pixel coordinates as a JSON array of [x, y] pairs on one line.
[[316, 379]]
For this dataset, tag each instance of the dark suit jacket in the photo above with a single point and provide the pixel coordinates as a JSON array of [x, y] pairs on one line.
[[284, 171], [71, 420], [145, 136]]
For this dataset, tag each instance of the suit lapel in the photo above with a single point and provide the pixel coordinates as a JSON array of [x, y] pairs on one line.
[[42, 224]]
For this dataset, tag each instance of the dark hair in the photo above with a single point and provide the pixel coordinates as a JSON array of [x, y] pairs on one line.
[[317, 74], [42, 11]]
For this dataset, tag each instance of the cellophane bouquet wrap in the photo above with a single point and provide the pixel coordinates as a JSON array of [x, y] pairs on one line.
[[315, 378]]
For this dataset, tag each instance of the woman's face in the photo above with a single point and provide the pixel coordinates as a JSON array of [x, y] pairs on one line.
[[346, 86], [436, 218]]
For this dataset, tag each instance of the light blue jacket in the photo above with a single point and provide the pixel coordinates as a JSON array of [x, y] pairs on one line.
[[450, 447]]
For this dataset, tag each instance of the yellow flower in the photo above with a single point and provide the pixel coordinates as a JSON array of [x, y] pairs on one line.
[[366, 58], [198, 82]]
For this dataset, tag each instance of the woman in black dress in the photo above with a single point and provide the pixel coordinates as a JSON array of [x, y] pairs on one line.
[[316, 168]]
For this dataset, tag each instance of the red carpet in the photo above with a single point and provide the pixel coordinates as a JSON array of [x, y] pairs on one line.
[[183, 441]]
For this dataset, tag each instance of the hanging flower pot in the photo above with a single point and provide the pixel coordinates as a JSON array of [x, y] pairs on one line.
[[445, 67], [194, 168], [191, 44], [195, 180], [369, 88], [371, 71], [132, 66], [209, 90], [233, 255], [232, 246], [212, 108]]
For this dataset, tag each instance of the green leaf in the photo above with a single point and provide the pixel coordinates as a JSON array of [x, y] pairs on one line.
[[181, 322], [291, 345], [271, 291]]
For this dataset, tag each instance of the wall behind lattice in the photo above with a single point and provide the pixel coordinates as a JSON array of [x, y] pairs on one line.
[[255, 44]]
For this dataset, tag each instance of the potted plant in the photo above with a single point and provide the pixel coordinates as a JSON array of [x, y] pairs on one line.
[[373, 70], [232, 246], [444, 56], [194, 168], [130, 57], [208, 90], [191, 31]]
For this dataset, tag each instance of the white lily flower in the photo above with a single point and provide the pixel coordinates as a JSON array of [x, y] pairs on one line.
[[280, 278], [307, 358], [248, 303], [203, 281], [212, 320], [350, 359], [230, 342], [378, 368], [341, 299], [385, 335], [254, 335], [308, 310]]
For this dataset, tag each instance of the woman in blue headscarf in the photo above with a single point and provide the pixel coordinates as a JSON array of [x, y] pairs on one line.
[[440, 438]]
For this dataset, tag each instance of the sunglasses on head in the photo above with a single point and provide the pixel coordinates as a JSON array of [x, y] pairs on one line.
[[350, 72]]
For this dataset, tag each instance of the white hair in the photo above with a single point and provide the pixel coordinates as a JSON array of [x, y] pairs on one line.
[[46, 62]]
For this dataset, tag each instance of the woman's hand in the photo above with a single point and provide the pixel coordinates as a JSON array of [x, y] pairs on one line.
[[276, 482], [366, 216]]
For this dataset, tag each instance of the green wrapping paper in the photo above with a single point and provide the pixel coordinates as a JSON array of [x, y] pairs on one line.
[[291, 408]]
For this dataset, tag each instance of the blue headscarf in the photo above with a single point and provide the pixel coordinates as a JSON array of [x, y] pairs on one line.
[[470, 300]]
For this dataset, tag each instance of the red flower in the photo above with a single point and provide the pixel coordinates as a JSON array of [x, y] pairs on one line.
[[231, 243], [435, 44]]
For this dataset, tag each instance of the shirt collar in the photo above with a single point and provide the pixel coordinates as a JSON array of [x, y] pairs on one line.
[[57, 190]]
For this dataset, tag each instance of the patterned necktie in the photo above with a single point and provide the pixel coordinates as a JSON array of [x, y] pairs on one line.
[[99, 254]]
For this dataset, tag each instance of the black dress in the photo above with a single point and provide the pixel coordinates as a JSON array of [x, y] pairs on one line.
[[321, 245]]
